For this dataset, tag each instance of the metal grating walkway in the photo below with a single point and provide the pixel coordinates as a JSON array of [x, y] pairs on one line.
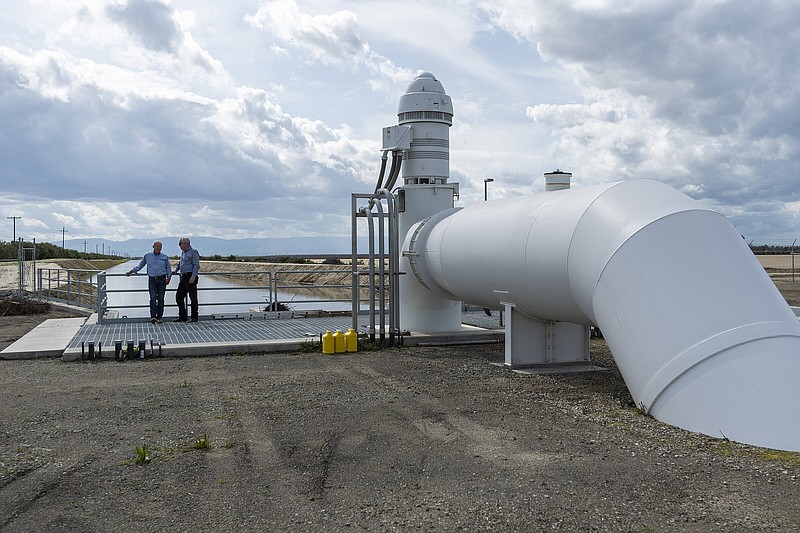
[[212, 331], [233, 330]]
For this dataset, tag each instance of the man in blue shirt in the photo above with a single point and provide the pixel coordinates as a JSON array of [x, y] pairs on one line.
[[160, 272], [189, 267]]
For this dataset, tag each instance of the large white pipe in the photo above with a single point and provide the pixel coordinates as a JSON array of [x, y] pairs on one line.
[[701, 335]]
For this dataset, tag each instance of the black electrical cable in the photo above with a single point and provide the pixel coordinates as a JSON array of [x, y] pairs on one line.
[[380, 174], [397, 162]]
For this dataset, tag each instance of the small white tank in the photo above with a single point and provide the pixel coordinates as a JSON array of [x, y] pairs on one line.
[[557, 180]]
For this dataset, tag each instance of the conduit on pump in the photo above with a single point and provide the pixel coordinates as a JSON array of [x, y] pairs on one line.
[[700, 333]]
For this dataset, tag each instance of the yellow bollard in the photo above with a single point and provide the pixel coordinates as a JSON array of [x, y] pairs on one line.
[[328, 344], [338, 341], [351, 341]]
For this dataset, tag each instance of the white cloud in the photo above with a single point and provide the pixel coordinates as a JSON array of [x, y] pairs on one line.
[[332, 39], [126, 118], [698, 95]]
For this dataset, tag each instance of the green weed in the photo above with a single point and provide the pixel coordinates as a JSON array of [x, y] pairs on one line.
[[202, 442], [143, 455], [310, 346]]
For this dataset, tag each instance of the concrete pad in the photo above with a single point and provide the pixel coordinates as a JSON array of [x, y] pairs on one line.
[[554, 368], [48, 339], [468, 334]]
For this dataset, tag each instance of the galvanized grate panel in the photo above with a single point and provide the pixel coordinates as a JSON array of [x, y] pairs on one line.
[[235, 330], [211, 331]]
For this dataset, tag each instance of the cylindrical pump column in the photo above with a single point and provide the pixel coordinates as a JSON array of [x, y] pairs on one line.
[[428, 111], [420, 308]]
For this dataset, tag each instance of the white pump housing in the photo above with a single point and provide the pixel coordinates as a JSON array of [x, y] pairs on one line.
[[426, 109], [701, 335]]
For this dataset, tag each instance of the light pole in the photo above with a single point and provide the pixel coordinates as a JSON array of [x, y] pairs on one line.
[[486, 188], [15, 227]]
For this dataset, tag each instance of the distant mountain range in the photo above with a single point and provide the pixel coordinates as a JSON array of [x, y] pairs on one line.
[[208, 246]]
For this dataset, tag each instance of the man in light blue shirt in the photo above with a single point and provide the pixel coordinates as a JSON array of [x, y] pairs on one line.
[[189, 267], [159, 272]]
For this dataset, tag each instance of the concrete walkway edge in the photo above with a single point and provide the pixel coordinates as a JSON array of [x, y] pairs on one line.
[[48, 339]]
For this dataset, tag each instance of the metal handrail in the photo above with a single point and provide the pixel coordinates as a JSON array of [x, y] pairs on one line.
[[73, 289], [68, 285]]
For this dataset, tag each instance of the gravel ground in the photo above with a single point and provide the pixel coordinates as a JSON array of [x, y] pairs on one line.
[[409, 439]]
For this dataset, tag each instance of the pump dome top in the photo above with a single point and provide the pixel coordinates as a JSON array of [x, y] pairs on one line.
[[425, 101], [425, 82]]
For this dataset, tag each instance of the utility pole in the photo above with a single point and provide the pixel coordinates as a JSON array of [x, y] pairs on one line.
[[63, 231], [15, 227]]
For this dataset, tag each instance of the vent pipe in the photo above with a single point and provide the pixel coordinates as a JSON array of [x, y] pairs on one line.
[[557, 180]]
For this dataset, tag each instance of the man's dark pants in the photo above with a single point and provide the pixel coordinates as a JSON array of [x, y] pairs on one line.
[[184, 288], [158, 287]]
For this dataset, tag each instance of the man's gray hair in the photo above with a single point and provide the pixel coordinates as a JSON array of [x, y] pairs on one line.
[[185, 239]]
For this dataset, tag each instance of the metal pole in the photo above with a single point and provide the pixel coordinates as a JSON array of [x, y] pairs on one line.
[[394, 251], [486, 188], [34, 264], [381, 268], [356, 292], [14, 219], [21, 264], [371, 269]]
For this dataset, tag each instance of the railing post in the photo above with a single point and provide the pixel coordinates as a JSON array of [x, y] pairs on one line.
[[273, 291], [101, 297], [273, 286], [33, 252], [21, 264]]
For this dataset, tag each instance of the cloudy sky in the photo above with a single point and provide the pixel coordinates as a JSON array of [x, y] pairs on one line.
[[133, 118]]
